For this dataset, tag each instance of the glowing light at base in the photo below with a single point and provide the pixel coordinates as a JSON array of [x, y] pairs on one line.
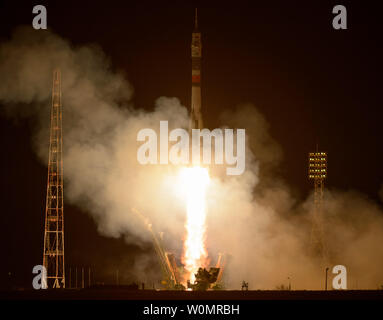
[[195, 181]]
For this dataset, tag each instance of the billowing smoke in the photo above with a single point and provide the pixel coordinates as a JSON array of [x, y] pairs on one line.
[[253, 217], [271, 230]]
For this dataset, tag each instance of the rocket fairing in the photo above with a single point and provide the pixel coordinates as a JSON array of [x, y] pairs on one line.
[[196, 54]]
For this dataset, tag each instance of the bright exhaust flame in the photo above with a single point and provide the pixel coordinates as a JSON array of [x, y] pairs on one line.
[[195, 181]]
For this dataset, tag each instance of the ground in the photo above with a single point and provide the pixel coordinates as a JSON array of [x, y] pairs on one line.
[[116, 293]]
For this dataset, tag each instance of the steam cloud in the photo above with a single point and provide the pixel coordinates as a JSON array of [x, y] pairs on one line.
[[252, 217]]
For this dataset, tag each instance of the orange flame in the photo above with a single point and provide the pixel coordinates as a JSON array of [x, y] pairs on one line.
[[195, 181]]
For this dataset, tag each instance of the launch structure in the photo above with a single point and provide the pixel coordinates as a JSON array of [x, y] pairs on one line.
[[171, 279], [221, 264], [53, 254], [317, 172], [204, 279]]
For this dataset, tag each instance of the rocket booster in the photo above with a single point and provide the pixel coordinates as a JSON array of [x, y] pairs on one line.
[[196, 54]]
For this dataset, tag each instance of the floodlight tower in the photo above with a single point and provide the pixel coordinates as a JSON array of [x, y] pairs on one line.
[[53, 255], [317, 171]]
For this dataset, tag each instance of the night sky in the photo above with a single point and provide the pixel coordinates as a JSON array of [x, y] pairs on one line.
[[314, 85]]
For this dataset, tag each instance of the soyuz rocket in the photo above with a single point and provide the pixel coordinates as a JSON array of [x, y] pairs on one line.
[[196, 54]]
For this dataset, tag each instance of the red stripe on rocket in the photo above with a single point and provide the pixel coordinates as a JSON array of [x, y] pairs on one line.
[[196, 78]]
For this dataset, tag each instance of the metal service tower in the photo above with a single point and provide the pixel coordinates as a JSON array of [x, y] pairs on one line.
[[318, 172], [53, 255]]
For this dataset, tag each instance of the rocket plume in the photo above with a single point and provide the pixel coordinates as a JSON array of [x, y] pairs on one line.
[[195, 181]]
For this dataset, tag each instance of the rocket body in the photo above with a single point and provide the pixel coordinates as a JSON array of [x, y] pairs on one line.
[[196, 54]]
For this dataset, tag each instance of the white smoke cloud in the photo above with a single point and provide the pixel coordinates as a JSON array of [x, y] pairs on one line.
[[253, 217]]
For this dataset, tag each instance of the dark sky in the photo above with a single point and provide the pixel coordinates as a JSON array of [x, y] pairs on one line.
[[312, 83]]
